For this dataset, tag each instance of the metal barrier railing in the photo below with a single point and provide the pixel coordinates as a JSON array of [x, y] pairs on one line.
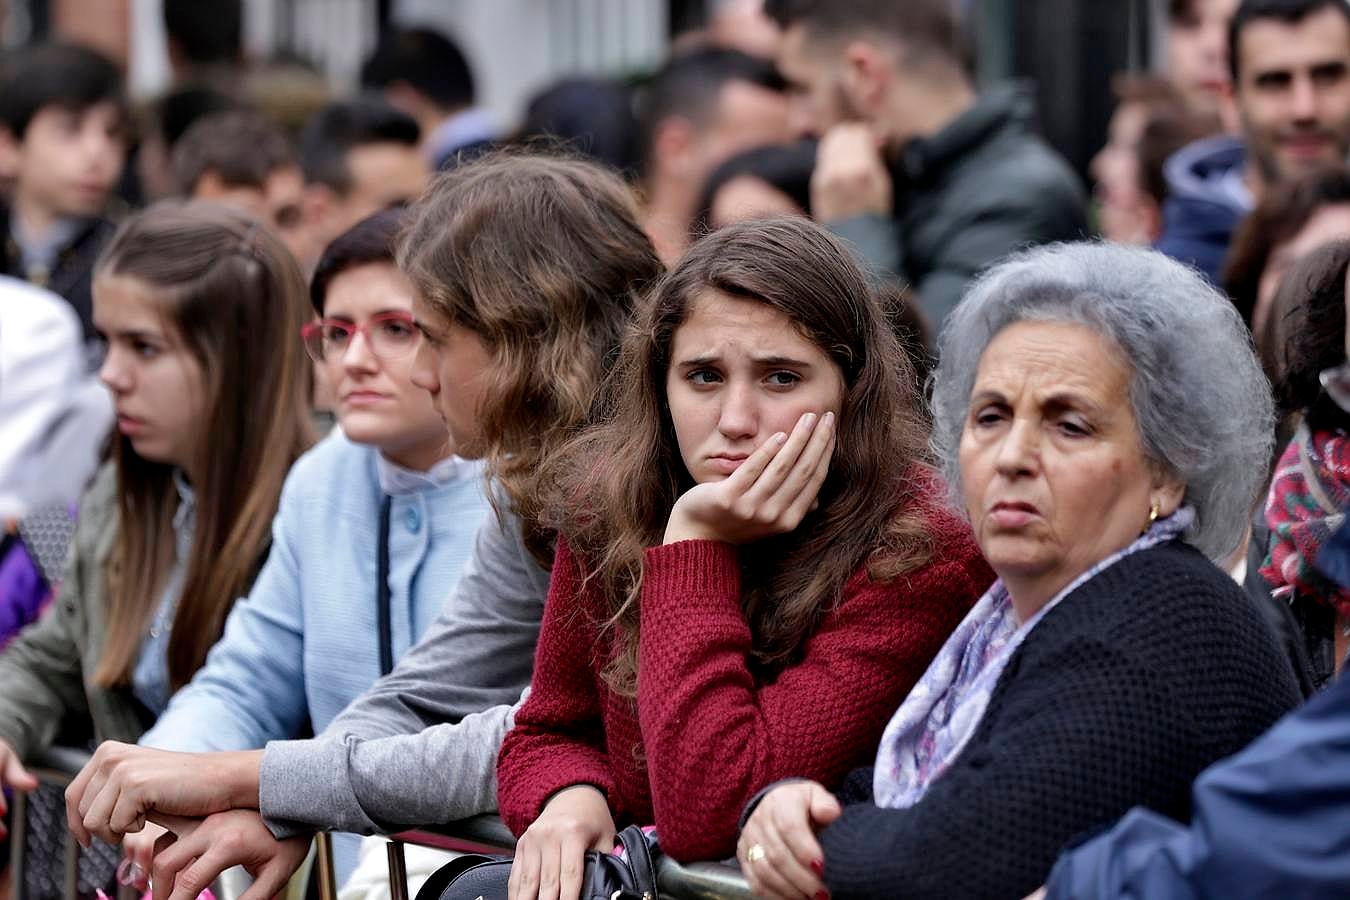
[[488, 834], [479, 834], [57, 768]]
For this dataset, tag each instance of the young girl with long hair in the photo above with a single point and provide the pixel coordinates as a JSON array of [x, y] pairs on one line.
[[201, 309], [754, 562]]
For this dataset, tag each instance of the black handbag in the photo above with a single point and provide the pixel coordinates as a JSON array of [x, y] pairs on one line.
[[607, 876]]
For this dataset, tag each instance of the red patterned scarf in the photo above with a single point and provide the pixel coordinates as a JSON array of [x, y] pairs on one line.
[[1308, 499]]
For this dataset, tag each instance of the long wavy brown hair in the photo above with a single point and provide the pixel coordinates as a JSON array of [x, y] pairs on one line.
[[543, 258], [629, 470], [236, 299]]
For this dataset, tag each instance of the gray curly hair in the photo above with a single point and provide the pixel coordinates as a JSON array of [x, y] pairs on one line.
[[1201, 401]]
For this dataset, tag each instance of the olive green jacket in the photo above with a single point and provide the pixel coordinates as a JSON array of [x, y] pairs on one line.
[[46, 673]]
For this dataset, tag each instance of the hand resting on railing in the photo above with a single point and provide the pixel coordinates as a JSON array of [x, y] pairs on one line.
[[195, 852]]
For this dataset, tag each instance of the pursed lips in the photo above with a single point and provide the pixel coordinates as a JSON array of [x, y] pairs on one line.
[[1013, 513], [726, 463]]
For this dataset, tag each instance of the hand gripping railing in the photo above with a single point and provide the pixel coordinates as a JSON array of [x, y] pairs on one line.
[[58, 768], [487, 834], [479, 834]]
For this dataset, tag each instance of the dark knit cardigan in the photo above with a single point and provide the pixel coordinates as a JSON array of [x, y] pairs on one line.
[[1124, 692]]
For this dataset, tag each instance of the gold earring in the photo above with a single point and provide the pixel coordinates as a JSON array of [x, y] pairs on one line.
[[1153, 513]]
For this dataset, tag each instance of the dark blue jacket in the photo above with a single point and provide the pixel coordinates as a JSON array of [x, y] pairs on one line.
[[1271, 821], [1205, 202]]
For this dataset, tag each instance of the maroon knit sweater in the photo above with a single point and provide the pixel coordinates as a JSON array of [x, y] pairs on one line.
[[704, 736]]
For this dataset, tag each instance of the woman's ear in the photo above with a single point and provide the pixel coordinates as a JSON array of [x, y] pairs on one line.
[[1168, 492]]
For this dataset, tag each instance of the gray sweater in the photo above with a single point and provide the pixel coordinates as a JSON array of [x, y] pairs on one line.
[[420, 746]]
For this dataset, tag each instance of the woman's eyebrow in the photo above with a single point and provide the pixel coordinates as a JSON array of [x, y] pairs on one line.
[[137, 334], [777, 360], [1060, 401], [705, 360]]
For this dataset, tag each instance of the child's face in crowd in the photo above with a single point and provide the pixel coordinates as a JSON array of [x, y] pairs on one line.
[[741, 371], [278, 203], [158, 386], [382, 175], [454, 365], [1197, 52], [377, 403], [68, 161]]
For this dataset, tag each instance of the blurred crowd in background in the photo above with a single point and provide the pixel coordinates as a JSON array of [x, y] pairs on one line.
[[934, 139]]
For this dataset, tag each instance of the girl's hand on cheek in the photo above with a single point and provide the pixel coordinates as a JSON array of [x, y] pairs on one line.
[[769, 494]]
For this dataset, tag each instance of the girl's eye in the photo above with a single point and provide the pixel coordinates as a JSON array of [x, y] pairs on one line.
[[784, 379], [336, 334], [397, 329], [703, 376], [144, 350]]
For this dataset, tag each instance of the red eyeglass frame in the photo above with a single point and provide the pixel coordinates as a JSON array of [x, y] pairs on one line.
[[315, 328]]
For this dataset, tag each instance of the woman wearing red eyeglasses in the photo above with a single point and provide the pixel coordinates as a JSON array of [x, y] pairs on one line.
[[374, 526]]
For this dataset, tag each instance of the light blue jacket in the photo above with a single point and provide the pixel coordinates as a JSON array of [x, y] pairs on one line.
[[305, 642]]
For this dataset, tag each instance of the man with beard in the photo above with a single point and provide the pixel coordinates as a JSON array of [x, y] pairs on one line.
[[1290, 62], [929, 179]]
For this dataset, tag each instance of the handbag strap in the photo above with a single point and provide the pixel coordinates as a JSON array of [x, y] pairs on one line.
[[640, 852], [435, 885]]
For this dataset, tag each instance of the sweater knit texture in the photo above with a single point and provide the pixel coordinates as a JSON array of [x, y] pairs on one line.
[[704, 735], [1123, 693]]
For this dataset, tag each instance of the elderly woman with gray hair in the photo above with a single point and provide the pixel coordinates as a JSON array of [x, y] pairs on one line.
[[1106, 427]]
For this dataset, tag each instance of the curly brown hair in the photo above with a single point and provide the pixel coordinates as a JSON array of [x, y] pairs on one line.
[[543, 258], [629, 470]]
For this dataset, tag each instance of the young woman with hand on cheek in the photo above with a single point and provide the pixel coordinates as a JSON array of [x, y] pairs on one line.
[[753, 547], [201, 309]]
